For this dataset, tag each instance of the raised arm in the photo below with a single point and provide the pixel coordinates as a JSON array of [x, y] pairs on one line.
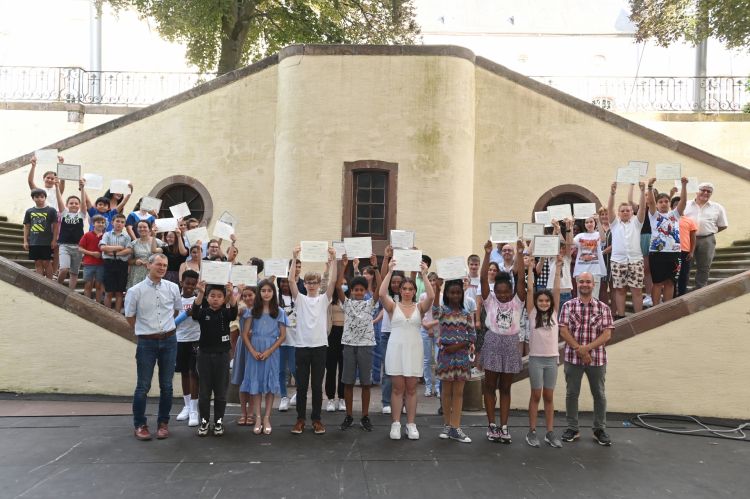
[[683, 196], [530, 285], [180, 243], [519, 267], [385, 298], [426, 303], [334, 267], [650, 201], [611, 203], [32, 171], [378, 276], [483, 279], [125, 199], [340, 281], [641, 212], [293, 273], [556, 284], [58, 195]]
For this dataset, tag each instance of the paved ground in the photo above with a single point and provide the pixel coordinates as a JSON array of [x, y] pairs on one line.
[[96, 456]]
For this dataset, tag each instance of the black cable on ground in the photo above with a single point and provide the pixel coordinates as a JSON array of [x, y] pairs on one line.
[[717, 430]]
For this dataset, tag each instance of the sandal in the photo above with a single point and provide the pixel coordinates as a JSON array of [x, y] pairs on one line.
[[250, 420], [267, 427], [258, 429], [242, 421]]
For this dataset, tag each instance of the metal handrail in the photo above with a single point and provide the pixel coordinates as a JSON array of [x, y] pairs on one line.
[[77, 85]]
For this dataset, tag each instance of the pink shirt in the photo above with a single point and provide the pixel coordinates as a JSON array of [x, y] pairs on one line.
[[543, 341], [503, 318]]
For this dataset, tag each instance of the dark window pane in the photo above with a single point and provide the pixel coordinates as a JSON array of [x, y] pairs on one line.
[[363, 226], [363, 211], [363, 180], [377, 211], [363, 196], [378, 180], [377, 227], [378, 196], [181, 193]]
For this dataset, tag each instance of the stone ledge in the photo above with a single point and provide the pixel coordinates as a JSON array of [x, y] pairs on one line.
[[682, 306], [65, 298]]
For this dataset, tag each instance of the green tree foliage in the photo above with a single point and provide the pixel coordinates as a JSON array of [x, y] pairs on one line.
[[224, 35], [670, 21]]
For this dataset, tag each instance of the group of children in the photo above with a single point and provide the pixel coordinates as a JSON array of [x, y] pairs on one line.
[[401, 324]]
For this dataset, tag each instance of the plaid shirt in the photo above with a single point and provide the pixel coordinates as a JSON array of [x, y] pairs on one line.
[[585, 323]]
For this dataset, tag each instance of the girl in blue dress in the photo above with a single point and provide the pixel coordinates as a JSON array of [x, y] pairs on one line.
[[238, 366], [263, 332]]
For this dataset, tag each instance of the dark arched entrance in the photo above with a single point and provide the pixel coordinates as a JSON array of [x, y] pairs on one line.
[[565, 194]]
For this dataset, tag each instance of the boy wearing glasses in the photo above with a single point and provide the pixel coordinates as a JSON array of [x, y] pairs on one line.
[[312, 331]]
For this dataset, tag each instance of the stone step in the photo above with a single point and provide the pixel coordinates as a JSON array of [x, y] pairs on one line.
[[10, 225], [736, 263], [721, 272], [741, 242], [733, 250], [13, 245], [3, 218], [718, 257], [29, 264], [14, 254], [11, 233]]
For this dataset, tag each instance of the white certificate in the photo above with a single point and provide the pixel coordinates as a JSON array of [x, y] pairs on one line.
[[668, 171], [215, 272], [542, 217], [46, 157], [584, 210], [197, 234], [692, 185], [340, 249], [503, 232], [228, 219], [408, 260], [165, 224], [642, 167], [244, 274], [531, 230], [313, 251], [546, 245], [451, 268], [628, 175], [358, 247], [403, 239], [180, 210], [151, 204], [560, 212], [222, 230], [277, 267], [119, 186], [68, 172], [93, 181]]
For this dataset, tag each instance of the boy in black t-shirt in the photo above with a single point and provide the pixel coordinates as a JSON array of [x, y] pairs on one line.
[[214, 314], [40, 232], [72, 216]]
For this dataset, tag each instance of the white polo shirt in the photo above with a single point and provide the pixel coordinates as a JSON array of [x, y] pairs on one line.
[[709, 217], [626, 240]]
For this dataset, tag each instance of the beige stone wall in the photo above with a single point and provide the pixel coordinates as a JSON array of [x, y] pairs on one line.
[[414, 111], [61, 352], [528, 143], [693, 366]]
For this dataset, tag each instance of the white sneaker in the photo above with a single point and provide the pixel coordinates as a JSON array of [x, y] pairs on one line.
[[427, 391], [231, 364], [647, 301], [331, 407], [342, 405], [293, 400], [396, 431], [386, 409], [184, 413], [403, 409], [284, 404], [411, 431], [194, 419]]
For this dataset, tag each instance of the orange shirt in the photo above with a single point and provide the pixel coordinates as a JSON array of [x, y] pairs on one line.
[[687, 225]]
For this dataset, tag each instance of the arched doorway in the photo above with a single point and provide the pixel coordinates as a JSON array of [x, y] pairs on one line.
[[565, 194], [183, 189]]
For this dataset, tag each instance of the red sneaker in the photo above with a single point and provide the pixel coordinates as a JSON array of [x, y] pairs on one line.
[[142, 433], [162, 431]]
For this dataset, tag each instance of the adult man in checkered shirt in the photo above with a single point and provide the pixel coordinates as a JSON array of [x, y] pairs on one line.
[[585, 326]]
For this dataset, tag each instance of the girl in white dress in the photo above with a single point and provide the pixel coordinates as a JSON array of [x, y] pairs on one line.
[[403, 359]]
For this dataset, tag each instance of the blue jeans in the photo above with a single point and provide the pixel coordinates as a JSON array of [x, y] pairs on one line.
[[378, 355], [385, 396], [428, 347], [149, 353], [565, 297], [286, 364]]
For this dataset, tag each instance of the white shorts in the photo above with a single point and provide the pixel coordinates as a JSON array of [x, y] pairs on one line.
[[70, 257]]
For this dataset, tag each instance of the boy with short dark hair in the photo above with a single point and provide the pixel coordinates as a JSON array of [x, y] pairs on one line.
[[214, 315], [188, 334], [101, 207], [93, 265], [40, 231], [113, 243]]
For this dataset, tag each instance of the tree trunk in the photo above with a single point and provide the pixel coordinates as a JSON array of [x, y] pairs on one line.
[[231, 54], [234, 30]]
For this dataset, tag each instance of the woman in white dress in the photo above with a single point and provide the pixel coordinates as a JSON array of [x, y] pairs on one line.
[[403, 359]]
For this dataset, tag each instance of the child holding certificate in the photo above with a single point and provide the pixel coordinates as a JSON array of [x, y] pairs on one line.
[[501, 351], [263, 333]]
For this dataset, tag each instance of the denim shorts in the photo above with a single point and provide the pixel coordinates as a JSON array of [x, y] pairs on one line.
[[542, 372], [93, 273]]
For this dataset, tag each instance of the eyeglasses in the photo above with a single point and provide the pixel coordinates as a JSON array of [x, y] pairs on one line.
[[213, 247], [708, 191]]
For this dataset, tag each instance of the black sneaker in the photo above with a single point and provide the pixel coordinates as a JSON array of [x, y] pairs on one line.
[[602, 438], [348, 421], [218, 428], [203, 428], [570, 435], [365, 423], [440, 411]]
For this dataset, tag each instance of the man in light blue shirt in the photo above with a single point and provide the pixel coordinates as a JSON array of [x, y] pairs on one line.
[[150, 309]]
